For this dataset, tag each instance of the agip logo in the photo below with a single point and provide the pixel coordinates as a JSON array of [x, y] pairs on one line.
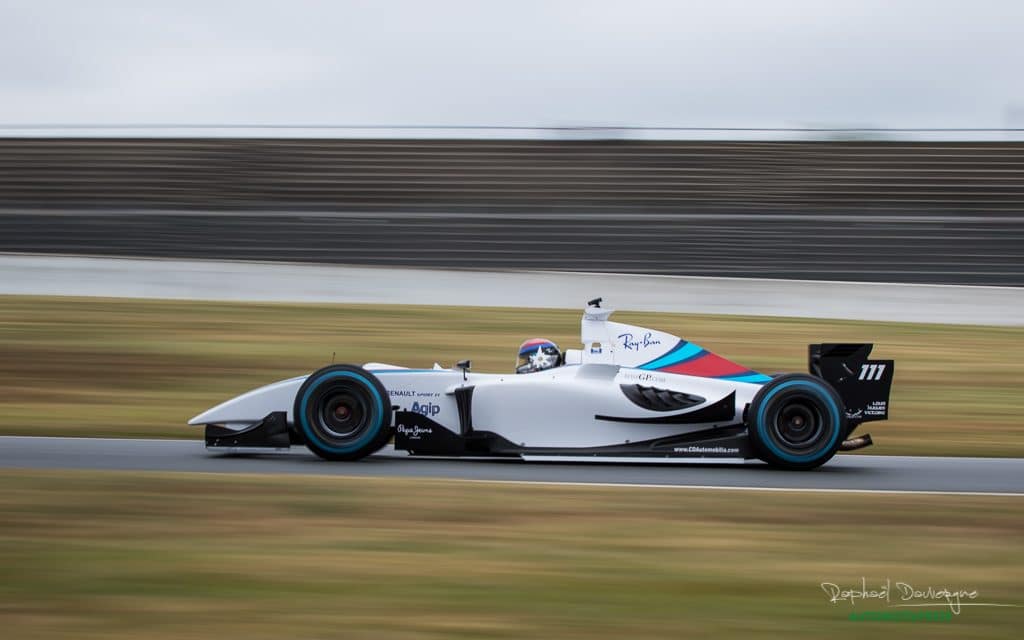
[[428, 409]]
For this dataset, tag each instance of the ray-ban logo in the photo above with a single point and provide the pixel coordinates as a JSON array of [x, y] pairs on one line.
[[635, 344]]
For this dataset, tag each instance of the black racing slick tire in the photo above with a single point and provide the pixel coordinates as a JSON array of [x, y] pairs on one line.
[[796, 421], [343, 413]]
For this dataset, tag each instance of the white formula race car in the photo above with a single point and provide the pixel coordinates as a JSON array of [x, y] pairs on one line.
[[631, 394]]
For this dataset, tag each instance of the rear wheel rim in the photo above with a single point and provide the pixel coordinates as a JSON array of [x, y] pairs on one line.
[[799, 425]]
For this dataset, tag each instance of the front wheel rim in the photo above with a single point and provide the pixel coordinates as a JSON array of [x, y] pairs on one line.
[[340, 414]]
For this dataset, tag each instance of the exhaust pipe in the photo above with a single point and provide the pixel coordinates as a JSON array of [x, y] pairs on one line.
[[856, 443]]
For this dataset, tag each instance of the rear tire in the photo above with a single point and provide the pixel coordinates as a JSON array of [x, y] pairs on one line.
[[796, 421], [343, 413]]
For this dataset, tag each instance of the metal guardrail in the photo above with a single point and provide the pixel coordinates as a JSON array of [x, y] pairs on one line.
[[593, 176]]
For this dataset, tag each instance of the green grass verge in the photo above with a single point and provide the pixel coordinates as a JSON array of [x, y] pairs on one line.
[[108, 367], [123, 555]]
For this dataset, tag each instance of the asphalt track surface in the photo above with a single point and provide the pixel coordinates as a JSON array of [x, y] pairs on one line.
[[974, 250], [844, 473]]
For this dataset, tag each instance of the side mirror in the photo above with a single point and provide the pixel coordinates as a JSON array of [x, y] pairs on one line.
[[596, 302], [464, 366]]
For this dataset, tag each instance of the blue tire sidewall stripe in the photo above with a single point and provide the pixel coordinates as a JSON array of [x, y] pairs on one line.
[[366, 437], [822, 393]]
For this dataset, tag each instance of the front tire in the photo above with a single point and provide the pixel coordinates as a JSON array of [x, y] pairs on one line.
[[343, 413], [796, 421]]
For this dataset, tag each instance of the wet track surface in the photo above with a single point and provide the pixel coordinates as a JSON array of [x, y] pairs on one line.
[[915, 249], [845, 472]]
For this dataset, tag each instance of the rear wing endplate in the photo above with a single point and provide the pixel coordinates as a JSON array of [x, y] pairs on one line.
[[863, 384]]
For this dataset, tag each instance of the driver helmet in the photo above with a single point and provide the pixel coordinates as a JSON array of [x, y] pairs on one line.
[[538, 354]]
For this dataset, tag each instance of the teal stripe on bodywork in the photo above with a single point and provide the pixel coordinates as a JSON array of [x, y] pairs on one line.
[[380, 371], [756, 378], [682, 353]]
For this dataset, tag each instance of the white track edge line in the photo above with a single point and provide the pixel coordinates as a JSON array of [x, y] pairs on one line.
[[497, 271], [723, 487]]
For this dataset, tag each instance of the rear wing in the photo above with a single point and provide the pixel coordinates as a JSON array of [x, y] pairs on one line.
[[863, 384]]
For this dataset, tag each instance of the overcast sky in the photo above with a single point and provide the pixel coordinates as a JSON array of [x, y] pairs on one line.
[[721, 63]]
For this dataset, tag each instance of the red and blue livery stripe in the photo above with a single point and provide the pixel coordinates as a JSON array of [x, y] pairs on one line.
[[690, 359]]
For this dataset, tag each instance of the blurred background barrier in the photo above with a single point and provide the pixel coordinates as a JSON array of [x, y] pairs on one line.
[[928, 212], [584, 176]]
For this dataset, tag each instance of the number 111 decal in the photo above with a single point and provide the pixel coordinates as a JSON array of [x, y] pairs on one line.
[[871, 371]]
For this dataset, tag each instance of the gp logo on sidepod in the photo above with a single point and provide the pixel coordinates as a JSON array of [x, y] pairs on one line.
[[426, 409]]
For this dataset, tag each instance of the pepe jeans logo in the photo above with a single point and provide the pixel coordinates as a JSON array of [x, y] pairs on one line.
[[413, 432], [635, 344], [425, 409]]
